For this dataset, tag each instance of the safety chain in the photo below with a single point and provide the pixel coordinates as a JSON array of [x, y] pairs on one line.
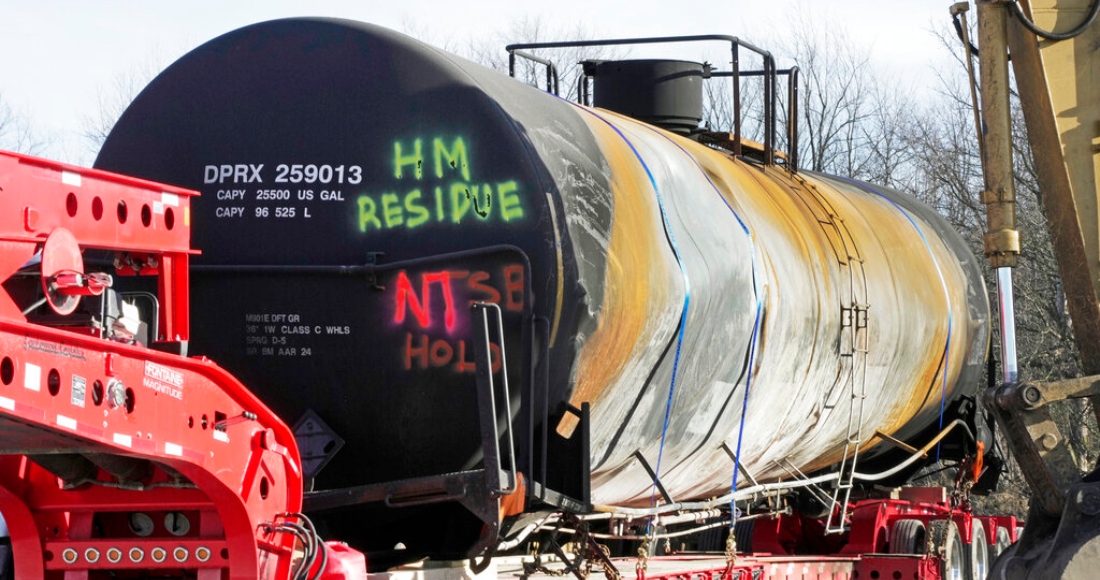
[[585, 551], [602, 553], [537, 565], [731, 548], [582, 555], [643, 561], [964, 482], [731, 556]]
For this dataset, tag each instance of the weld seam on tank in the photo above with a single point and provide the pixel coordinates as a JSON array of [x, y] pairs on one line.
[[757, 294], [687, 296], [943, 286]]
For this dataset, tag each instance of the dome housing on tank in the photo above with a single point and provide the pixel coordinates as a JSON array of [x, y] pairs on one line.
[[665, 93]]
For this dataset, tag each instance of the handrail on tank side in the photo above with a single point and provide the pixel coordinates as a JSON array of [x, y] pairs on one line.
[[486, 395], [735, 43], [551, 69], [792, 107]]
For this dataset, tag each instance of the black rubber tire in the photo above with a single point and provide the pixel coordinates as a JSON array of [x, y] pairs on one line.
[[977, 554], [948, 545], [7, 563], [908, 537]]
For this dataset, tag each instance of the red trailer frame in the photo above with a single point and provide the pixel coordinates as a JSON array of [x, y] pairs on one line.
[[115, 455]]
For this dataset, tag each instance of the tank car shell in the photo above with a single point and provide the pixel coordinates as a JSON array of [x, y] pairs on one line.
[[673, 277], [856, 293]]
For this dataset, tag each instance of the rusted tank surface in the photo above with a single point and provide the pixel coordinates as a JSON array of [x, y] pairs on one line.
[[360, 189], [847, 289]]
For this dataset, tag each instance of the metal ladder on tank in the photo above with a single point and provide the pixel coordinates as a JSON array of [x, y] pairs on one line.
[[853, 341], [853, 356]]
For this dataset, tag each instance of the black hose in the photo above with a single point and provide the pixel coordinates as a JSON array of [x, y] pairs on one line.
[[1048, 35], [313, 547], [1094, 10], [301, 571], [320, 545], [309, 547], [959, 32]]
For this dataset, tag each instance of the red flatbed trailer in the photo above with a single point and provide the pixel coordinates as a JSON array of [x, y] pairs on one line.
[[715, 567], [115, 456], [915, 534]]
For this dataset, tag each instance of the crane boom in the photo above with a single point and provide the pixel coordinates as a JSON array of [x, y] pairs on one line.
[[1059, 88], [1052, 46]]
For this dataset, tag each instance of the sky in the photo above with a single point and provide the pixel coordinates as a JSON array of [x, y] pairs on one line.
[[62, 57]]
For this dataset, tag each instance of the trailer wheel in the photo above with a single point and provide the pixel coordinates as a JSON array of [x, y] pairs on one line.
[[947, 544], [7, 564], [1004, 540], [977, 561], [908, 537]]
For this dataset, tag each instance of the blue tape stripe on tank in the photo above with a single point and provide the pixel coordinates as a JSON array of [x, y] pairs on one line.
[[943, 285], [687, 295], [758, 295]]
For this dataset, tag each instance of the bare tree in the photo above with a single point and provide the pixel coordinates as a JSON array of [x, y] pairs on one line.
[[947, 169], [886, 133], [17, 132], [113, 98], [835, 95], [421, 31], [718, 105], [490, 52], [850, 122]]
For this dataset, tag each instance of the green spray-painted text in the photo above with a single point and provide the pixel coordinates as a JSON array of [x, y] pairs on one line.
[[447, 194]]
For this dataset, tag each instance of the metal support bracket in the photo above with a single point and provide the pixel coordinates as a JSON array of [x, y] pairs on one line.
[[373, 260], [1035, 440], [653, 475]]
